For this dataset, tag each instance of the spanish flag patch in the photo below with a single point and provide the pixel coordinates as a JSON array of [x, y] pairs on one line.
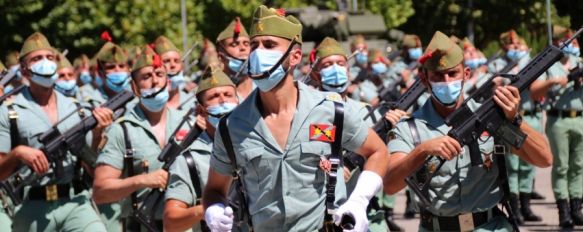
[[322, 132]]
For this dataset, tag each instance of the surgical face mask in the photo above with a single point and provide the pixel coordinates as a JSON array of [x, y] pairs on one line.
[[515, 54], [262, 60], [98, 81], [415, 53], [117, 81], [572, 50], [154, 99], [177, 81], [235, 64], [446, 92], [379, 68], [217, 111], [334, 78], [85, 77], [68, 88], [8, 88], [473, 63], [44, 73], [361, 58]]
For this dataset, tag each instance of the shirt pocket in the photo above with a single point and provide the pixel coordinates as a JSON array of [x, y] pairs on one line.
[[311, 155], [256, 167]]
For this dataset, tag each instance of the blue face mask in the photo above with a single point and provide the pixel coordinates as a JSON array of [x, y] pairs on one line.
[[85, 77], [361, 58], [262, 60], [334, 78], [217, 111], [379, 68], [415, 53], [98, 81], [68, 88], [235, 64], [177, 81], [473, 63], [44, 73], [446, 92], [117, 81], [154, 99], [8, 88], [515, 54], [572, 50]]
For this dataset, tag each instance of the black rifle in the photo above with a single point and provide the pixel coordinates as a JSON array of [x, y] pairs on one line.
[[55, 147], [145, 214], [389, 92], [12, 92], [382, 127], [468, 125], [575, 75]]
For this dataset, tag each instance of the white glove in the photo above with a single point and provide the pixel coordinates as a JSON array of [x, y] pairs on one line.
[[219, 218], [369, 183]]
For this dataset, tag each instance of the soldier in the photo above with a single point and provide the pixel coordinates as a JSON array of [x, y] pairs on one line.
[[50, 199], [233, 49], [5, 221], [216, 96], [112, 67], [404, 70], [179, 99], [564, 127], [144, 129], [13, 67], [459, 190], [475, 60], [359, 69], [66, 82], [520, 173], [281, 133], [88, 91]]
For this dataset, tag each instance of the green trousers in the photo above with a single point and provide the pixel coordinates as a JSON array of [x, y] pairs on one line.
[[75, 214], [566, 140], [5, 222], [521, 173], [110, 215]]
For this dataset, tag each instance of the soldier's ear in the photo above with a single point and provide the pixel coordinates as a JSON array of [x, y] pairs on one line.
[[135, 88], [467, 73]]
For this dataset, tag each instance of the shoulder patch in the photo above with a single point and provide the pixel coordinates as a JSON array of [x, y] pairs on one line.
[[334, 97]]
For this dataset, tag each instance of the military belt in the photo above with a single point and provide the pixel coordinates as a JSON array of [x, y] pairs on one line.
[[51, 192], [462, 222], [565, 113]]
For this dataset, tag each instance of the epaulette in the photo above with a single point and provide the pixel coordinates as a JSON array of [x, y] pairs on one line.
[[334, 97]]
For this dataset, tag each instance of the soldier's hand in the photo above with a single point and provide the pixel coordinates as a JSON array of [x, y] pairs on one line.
[[562, 81], [34, 158], [445, 147], [394, 116], [104, 117], [201, 121], [156, 179], [508, 98], [219, 218]]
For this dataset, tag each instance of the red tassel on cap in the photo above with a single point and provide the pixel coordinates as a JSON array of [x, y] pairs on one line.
[[313, 55], [156, 61], [105, 36], [280, 12], [152, 45], [237, 29], [425, 57]]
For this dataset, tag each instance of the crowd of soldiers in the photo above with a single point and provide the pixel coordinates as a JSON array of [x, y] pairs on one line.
[[276, 135]]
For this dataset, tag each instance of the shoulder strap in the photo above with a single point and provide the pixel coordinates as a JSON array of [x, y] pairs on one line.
[[335, 159], [128, 160], [193, 175], [414, 132], [15, 139], [80, 109], [499, 153], [226, 137], [371, 113], [339, 124]]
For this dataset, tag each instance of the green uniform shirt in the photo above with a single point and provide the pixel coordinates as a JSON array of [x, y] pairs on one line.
[[366, 91], [568, 98], [458, 187], [33, 122], [285, 187], [180, 185], [143, 142], [88, 94], [187, 100]]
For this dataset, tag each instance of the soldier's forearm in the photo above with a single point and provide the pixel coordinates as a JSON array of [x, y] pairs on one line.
[[114, 189], [401, 166], [8, 164], [536, 149], [539, 89], [179, 217]]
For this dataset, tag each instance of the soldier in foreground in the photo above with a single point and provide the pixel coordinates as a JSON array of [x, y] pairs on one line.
[[281, 135], [459, 190]]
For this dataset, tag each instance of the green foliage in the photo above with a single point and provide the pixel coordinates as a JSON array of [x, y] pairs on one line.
[[395, 12]]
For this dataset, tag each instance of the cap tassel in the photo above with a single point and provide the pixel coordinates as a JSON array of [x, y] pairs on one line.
[[152, 46], [156, 61], [313, 55], [237, 29], [425, 57], [106, 37], [280, 12]]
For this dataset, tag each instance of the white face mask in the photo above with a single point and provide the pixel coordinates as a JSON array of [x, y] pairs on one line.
[[263, 60], [44, 73]]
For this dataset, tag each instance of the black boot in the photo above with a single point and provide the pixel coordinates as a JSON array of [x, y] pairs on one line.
[[391, 220], [527, 213], [576, 211], [534, 195], [409, 210], [565, 220], [515, 209]]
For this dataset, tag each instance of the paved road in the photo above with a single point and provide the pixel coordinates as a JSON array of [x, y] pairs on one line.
[[546, 208]]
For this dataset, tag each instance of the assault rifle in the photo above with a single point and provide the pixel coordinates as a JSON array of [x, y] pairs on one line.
[[468, 125], [12, 92], [382, 127], [56, 145], [145, 213]]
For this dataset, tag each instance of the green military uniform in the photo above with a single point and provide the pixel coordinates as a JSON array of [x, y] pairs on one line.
[[112, 53], [5, 221], [458, 187]]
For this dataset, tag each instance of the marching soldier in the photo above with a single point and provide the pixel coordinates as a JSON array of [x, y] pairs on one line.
[[88, 91], [144, 130], [5, 221], [475, 60], [112, 67], [188, 174], [233, 50], [280, 135], [179, 99], [37, 108], [66, 82], [459, 190]]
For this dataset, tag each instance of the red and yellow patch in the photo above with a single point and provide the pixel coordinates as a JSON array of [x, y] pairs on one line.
[[322, 132]]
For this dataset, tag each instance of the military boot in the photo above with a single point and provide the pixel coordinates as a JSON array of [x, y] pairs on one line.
[[389, 217], [515, 209], [527, 213], [565, 220], [576, 211]]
